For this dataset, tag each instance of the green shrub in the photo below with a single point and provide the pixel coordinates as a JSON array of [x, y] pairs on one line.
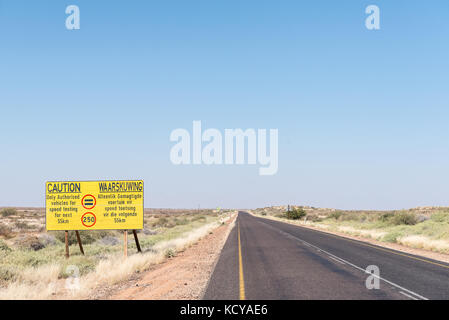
[[160, 222], [8, 212], [5, 231], [295, 214], [335, 215], [22, 225], [440, 217], [313, 218], [404, 218], [350, 216], [196, 218], [170, 253], [4, 246], [181, 222], [7, 273], [87, 237], [385, 217], [84, 264], [391, 237]]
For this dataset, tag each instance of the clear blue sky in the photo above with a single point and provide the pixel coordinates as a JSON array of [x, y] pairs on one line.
[[362, 115]]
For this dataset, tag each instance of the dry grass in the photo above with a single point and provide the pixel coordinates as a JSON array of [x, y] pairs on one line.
[[44, 282], [44, 274], [117, 268], [422, 242], [374, 234]]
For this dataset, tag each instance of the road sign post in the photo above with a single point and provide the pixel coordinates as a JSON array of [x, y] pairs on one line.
[[66, 238], [125, 240], [79, 241], [137, 241]]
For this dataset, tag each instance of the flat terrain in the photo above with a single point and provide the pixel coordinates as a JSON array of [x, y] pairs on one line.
[[33, 263], [276, 260]]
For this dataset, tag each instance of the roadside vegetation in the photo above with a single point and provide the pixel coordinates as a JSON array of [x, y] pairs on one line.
[[423, 228], [294, 214], [33, 265]]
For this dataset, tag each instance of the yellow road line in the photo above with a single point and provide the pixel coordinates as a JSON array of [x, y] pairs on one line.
[[241, 279]]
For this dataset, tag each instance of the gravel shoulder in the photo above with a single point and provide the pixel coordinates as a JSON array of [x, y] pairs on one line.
[[184, 276]]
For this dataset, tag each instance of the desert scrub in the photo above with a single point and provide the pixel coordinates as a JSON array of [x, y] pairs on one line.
[[160, 222], [335, 215], [386, 217], [171, 232], [196, 218], [403, 228], [281, 215], [170, 253], [4, 246], [7, 273], [31, 274], [442, 217], [8, 212], [21, 225], [5, 231], [21, 257], [87, 237], [391, 237], [295, 214], [313, 218], [180, 222], [404, 218]]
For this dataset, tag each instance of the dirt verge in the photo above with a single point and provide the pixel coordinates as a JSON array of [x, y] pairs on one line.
[[184, 276]]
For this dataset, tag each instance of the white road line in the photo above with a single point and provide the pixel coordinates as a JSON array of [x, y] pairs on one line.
[[306, 244], [349, 263], [338, 260], [407, 295]]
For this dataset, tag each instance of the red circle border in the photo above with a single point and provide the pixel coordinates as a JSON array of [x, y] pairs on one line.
[[93, 223], [82, 201]]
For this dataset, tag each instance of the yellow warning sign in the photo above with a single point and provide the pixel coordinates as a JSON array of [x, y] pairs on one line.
[[94, 205]]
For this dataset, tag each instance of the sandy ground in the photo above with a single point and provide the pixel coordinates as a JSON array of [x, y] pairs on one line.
[[414, 251], [183, 277]]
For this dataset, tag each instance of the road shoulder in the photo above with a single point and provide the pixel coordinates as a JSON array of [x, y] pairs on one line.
[[184, 276], [393, 246]]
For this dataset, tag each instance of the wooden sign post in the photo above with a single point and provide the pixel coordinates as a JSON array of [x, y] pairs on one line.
[[67, 255], [126, 243], [79, 241], [137, 241]]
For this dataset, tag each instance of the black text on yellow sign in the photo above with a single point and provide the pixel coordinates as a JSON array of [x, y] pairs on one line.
[[94, 205]]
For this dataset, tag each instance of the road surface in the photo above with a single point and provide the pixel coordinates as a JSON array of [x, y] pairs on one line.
[[266, 259]]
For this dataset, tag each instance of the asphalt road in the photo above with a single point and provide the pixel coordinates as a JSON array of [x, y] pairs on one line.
[[266, 259]]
